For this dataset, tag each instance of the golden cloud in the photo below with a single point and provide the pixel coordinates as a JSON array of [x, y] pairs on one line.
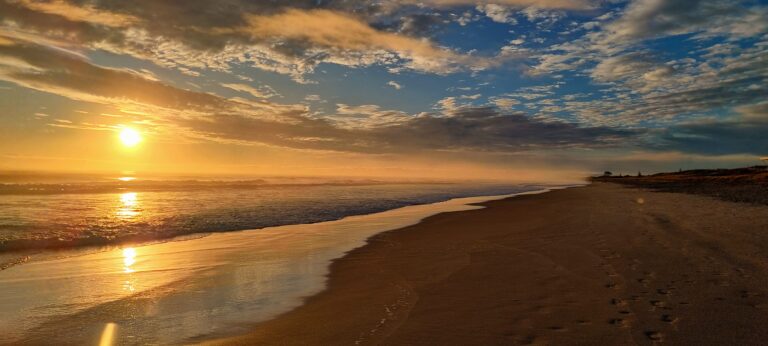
[[87, 14], [335, 30]]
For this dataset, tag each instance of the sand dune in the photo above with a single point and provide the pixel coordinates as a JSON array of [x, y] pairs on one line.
[[601, 265]]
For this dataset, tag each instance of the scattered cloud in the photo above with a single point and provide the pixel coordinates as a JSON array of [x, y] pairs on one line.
[[41, 68], [395, 85], [652, 18], [448, 105], [263, 92], [213, 37], [687, 76], [341, 32], [367, 128], [505, 103], [561, 4], [498, 13], [85, 13]]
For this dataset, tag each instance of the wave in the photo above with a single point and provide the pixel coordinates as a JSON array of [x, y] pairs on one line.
[[155, 211], [178, 185]]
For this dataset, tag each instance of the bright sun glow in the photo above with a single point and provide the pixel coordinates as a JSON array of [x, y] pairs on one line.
[[130, 137]]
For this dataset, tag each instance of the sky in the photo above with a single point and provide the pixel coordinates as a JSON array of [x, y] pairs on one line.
[[505, 89]]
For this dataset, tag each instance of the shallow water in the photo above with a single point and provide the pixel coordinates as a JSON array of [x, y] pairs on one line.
[[185, 291]]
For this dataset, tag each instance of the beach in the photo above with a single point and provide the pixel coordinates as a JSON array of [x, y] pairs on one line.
[[188, 289], [383, 172], [604, 264]]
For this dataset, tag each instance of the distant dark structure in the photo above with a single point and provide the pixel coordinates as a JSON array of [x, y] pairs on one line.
[[765, 163], [639, 174], [607, 174]]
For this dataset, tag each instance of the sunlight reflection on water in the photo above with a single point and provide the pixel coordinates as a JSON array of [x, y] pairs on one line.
[[178, 208], [172, 292], [129, 204], [129, 258]]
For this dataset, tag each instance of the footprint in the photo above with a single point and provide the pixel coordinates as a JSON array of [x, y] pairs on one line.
[[528, 340], [619, 322], [748, 294], [654, 335], [618, 302], [658, 304], [669, 318], [743, 272]]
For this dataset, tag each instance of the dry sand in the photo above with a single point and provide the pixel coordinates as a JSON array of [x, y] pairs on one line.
[[602, 265]]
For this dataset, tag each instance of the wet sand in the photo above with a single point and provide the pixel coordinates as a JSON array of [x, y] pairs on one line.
[[603, 265]]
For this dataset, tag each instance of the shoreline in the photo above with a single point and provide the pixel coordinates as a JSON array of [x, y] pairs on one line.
[[601, 264], [94, 241], [264, 272]]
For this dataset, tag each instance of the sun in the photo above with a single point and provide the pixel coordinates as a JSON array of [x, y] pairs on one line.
[[130, 137]]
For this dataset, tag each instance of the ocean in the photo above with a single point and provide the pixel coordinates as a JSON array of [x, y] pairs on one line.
[[70, 214], [152, 262]]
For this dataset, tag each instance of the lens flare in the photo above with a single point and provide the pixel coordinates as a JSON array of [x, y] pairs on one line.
[[108, 335]]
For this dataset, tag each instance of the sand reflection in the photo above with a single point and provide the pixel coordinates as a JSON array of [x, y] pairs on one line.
[[129, 259], [129, 203]]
